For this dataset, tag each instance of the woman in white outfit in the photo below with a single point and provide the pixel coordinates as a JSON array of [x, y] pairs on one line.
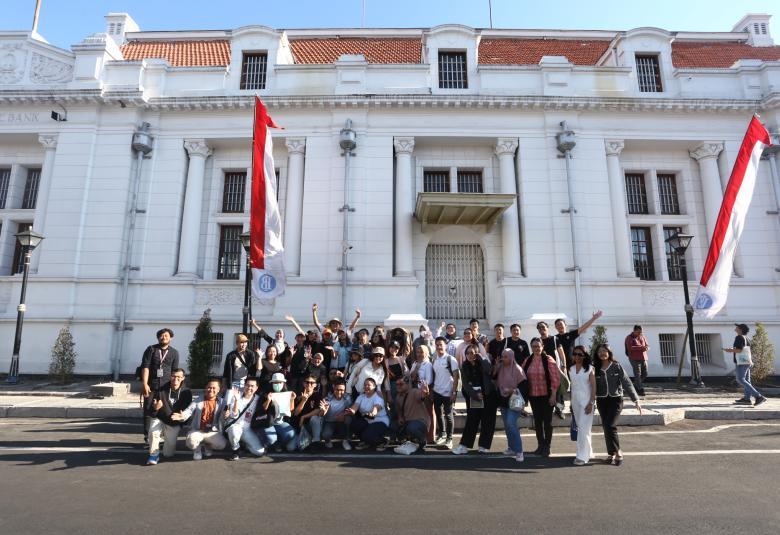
[[583, 399]]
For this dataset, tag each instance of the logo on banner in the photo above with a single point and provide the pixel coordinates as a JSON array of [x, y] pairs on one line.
[[703, 302], [266, 283]]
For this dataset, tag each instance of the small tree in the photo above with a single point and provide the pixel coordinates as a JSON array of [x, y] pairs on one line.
[[63, 357], [763, 355], [599, 337], [200, 357]]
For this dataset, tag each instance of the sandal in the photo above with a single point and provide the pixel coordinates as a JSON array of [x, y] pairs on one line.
[[609, 459], [618, 461]]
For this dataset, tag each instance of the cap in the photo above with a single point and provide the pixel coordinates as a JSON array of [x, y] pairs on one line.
[[742, 327], [278, 378], [242, 338], [378, 351]]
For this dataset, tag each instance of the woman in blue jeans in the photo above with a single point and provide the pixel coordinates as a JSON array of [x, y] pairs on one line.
[[743, 361], [508, 377], [370, 422], [275, 428]]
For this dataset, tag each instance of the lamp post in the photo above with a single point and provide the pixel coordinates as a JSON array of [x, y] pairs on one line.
[[246, 242], [680, 242], [347, 142], [29, 240]]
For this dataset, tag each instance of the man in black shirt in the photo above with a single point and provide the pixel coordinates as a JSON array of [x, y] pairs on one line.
[[156, 365], [517, 344], [498, 344], [171, 398], [567, 339]]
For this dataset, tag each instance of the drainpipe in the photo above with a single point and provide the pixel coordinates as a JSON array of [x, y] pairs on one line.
[[771, 155], [142, 145], [347, 143], [566, 143]]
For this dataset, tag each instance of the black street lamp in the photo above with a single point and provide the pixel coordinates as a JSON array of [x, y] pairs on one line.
[[29, 240], [680, 242], [245, 241]]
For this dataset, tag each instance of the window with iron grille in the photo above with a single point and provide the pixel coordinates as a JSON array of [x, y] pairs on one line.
[[668, 349], [454, 282], [217, 344], [675, 264], [452, 70], [436, 181], [17, 265], [31, 189], [5, 179], [667, 192], [229, 252], [253, 69], [255, 340], [648, 72], [469, 181], [636, 193], [233, 193], [704, 348], [642, 249]]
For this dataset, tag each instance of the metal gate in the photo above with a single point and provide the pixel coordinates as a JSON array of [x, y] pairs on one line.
[[454, 282]]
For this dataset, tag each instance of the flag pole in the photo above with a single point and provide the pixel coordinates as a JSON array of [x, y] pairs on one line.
[[490, 10], [35, 17]]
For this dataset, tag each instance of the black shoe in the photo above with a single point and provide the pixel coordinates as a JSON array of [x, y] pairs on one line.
[[559, 413], [759, 401], [234, 456], [743, 401], [618, 461], [537, 452], [546, 452]]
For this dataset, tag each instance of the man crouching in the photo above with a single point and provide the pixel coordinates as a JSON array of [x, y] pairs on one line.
[[167, 406], [207, 422]]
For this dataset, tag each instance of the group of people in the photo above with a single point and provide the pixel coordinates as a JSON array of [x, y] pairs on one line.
[[372, 389]]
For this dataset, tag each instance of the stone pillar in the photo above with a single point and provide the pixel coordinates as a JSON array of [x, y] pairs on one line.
[[510, 230], [712, 189], [404, 207], [617, 197], [49, 142], [293, 211], [198, 151]]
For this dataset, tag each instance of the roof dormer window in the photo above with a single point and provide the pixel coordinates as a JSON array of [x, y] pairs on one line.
[[253, 70], [452, 70], [648, 73]]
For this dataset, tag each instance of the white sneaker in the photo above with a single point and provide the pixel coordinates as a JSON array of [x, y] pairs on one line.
[[448, 444], [460, 450], [329, 445], [519, 457], [509, 452], [197, 454], [346, 445], [407, 448], [441, 441], [483, 450]]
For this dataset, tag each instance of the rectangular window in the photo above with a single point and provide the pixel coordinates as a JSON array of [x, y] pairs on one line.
[[648, 73], [704, 348], [233, 193], [668, 350], [469, 181], [667, 191], [217, 343], [31, 189], [675, 263], [255, 340], [253, 68], [5, 179], [636, 193], [436, 181], [642, 249], [229, 252], [452, 70], [17, 265]]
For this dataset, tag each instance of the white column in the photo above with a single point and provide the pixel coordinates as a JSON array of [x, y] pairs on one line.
[[617, 194], [293, 212], [404, 208], [510, 230], [198, 151], [49, 142], [712, 189]]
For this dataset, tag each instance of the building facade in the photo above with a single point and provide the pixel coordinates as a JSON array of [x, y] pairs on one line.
[[459, 190]]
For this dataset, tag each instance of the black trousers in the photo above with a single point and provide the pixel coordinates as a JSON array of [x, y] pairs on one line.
[[148, 405], [609, 410], [540, 405], [444, 424], [482, 420]]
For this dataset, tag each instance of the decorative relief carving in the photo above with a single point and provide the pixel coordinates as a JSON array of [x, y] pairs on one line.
[[706, 150], [506, 146], [660, 297], [49, 141], [403, 145], [614, 146], [296, 145], [45, 70], [197, 147], [13, 59], [222, 296]]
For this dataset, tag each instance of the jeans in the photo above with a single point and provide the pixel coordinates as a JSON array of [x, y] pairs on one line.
[[340, 429], [640, 374], [743, 378], [238, 433], [415, 430], [511, 429], [282, 432], [445, 417], [170, 432], [371, 433], [540, 405], [609, 410]]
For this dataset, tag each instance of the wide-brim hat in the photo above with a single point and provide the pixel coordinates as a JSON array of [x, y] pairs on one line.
[[378, 351], [278, 378]]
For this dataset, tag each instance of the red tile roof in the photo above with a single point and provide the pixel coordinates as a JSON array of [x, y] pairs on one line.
[[718, 55], [497, 51], [375, 49], [181, 53]]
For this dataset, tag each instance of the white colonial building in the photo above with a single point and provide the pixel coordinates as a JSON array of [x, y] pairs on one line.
[[458, 189]]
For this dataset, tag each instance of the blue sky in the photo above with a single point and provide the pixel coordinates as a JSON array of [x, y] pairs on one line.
[[64, 22]]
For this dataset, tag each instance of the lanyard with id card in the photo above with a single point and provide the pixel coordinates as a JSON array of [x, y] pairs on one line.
[[162, 359]]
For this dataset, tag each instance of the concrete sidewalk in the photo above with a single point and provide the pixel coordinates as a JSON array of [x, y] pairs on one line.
[[663, 405]]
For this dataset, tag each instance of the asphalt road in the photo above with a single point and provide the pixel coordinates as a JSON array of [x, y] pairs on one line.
[[86, 476]]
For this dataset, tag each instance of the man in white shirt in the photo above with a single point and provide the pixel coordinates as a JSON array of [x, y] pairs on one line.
[[446, 376]]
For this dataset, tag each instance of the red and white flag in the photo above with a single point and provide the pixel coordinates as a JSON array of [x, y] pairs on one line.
[[714, 285], [265, 224]]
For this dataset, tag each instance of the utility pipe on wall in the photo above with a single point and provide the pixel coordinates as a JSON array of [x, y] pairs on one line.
[[566, 143], [347, 142]]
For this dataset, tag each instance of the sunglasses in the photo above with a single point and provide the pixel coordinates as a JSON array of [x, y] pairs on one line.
[[578, 354], [310, 382]]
